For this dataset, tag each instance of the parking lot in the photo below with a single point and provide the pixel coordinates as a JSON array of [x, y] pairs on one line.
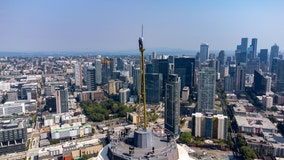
[[210, 154]]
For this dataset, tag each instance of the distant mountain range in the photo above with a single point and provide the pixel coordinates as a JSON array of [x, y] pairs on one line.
[[160, 51]]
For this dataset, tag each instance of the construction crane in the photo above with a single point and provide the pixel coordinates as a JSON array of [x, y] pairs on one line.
[[142, 95]]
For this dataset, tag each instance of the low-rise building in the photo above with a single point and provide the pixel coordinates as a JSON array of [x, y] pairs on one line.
[[13, 136], [255, 124], [67, 131]]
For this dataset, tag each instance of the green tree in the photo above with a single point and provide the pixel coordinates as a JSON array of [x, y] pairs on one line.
[[248, 153], [274, 109], [185, 137]]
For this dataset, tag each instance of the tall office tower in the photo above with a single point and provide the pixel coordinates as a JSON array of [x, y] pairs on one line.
[[154, 82], [161, 66], [252, 49], [197, 60], [98, 65], [228, 84], [273, 66], [106, 71], [91, 79], [263, 59], [268, 84], [113, 64], [244, 45], [204, 52], [241, 52], [240, 79], [120, 64], [280, 75], [78, 75], [171, 61], [149, 68], [260, 82], [274, 53], [252, 65], [136, 81], [172, 105], [184, 67], [212, 56], [154, 55], [61, 100], [213, 63], [206, 89], [221, 57]]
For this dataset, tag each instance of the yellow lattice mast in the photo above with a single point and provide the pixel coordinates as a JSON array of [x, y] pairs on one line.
[[142, 95]]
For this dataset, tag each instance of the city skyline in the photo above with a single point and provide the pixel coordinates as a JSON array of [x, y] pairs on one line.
[[92, 26]]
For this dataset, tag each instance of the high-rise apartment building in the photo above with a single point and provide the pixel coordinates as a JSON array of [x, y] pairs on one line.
[[98, 65], [106, 70], [209, 125], [240, 79], [78, 75], [172, 105], [91, 78], [111, 87], [204, 52], [124, 94], [61, 100], [184, 67], [206, 89]]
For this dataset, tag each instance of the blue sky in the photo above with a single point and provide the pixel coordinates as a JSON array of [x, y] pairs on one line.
[[115, 25]]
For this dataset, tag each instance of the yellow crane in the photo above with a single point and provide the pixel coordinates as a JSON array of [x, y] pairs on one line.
[[142, 95]]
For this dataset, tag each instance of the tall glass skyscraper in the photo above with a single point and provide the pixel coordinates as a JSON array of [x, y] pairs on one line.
[[204, 52], [172, 105], [154, 82], [273, 54], [263, 59], [241, 52], [252, 49], [184, 67]]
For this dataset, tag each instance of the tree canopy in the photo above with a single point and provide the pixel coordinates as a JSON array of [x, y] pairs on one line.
[[185, 137], [101, 111]]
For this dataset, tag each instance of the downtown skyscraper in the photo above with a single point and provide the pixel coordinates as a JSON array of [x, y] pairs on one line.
[[204, 52], [185, 68], [172, 105]]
